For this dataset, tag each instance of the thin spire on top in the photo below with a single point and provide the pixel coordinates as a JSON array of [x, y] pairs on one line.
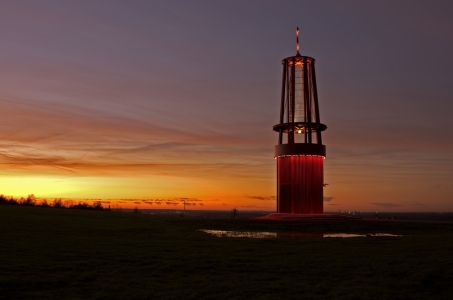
[[297, 41]]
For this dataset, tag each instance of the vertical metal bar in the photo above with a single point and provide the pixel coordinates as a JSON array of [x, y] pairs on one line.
[[304, 64], [288, 95], [294, 185], [315, 92], [277, 159], [307, 102], [282, 105], [293, 89], [293, 100]]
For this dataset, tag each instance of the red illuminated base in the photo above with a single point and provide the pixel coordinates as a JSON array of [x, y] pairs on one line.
[[300, 180], [306, 217]]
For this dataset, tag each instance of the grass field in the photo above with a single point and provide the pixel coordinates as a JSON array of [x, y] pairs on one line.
[[51, 253]]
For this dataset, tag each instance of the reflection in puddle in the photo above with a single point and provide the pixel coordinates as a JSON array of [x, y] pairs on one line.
[[241, 234], [350, 235], [266, 235]]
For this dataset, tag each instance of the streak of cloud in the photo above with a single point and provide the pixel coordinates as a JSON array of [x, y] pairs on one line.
[[327, 199], [386, 204], [264, 198]]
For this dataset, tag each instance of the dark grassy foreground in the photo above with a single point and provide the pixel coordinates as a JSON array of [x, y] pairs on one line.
[[67, 254]]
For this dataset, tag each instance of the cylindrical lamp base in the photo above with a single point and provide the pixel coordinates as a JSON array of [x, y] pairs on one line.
[[300, 182]]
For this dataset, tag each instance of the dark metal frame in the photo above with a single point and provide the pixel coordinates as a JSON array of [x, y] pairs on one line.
[[311, 123]]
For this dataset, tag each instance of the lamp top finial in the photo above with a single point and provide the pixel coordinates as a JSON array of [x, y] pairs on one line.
[[297, 41]]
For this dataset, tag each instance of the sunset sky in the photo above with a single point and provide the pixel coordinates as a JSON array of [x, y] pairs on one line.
[[147, 103]]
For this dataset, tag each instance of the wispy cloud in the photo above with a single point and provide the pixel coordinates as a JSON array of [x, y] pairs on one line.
[[187, 201], [264, 198], [327, 199], [414, 203], [386, 204]]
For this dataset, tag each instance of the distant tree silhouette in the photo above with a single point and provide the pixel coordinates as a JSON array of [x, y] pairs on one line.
[[58, 203], [10, 201], [13, 201], [3, 199], [80, 205], [31, 200], [97, 205]]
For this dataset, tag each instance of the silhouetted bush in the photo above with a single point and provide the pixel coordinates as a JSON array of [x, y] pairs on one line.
[[10, 201], [31, 200], [3, 199], [97, 205], [58, 203], [80, 205], [83, 205], [13, 201]]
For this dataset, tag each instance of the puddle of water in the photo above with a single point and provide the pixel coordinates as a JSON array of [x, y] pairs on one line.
[[267, 235], [241, 234], [343, 235], [351, 235], [385, 234]]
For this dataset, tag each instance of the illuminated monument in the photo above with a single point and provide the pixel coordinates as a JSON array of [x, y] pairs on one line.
[[300, 153]]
